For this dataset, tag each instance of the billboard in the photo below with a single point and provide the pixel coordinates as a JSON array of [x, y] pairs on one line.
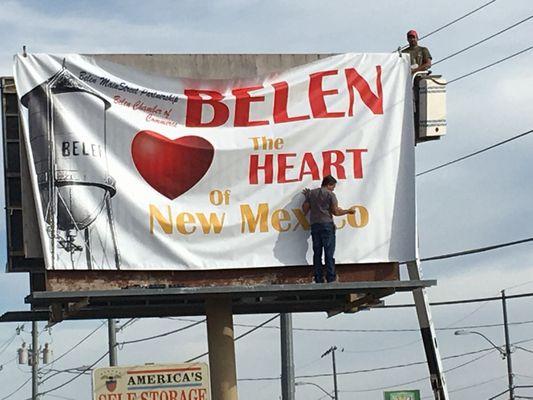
[[152, 382], [136, 171]]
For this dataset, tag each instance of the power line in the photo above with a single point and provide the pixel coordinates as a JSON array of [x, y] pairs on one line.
[[490, 65], [17, 389], [240, 336], [79, 343], [7, 362], [84, 370], [475, 153], [162, 334], [420, 379], [130, 322], [61, 397], [470, 386], [401, 330], [74, 378], [477, 250], [7, 343], [482, 40], [59, 372], [404, 365], [456, 20], [463, 301], [384, 368], [523, 348], [451, 23]]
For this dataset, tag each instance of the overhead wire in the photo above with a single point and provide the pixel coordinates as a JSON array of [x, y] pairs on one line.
[[488, 350], [84, 370], [457, 20], [73, 378], [476, 250], [17, 389], [7, 343], [470, 386], [126, 324], [56, 359], [239, 337], [524, 349], [454, 21], [475, 153], [490, 65], [392, 330], [7, 362], [59, 372], [463, 301], [271, 319], [61, 397], [161, 334], [420, 339], [482, 41], [413, 342], [383, 368], [421, 379]]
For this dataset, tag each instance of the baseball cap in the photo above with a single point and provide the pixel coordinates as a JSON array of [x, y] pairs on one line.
[[412, 32]]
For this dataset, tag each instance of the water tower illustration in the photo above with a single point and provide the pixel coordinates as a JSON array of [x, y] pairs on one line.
[[67, 129]]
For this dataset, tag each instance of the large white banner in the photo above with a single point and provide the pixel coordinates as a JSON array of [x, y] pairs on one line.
[[136, 171]]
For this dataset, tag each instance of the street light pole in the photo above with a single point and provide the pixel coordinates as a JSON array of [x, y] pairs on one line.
[[315, 385], [464, 332], [332, 350], [507, 348], [505, 354]]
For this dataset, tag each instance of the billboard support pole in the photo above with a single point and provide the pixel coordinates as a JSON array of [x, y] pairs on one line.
[[429, 338], [221, 348], [287, 357]]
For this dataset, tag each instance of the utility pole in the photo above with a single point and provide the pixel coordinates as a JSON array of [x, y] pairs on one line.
[[332, 350], [112, 335], [507, 348], [287, 357], [34, 357]]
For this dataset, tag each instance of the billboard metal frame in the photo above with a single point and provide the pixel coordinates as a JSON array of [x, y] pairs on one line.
[[253, 299]]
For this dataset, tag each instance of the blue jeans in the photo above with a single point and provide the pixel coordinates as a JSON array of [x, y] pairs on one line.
[[323, 238]]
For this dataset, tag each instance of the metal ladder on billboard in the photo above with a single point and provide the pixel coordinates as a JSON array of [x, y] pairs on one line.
[[429, 338]]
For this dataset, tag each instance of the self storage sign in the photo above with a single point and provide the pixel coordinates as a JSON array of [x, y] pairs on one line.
[[152, 382]]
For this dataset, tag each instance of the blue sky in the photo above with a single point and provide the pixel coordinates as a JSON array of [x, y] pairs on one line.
[[478, 202]]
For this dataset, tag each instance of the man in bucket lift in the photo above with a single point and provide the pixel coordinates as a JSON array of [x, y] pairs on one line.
[[322, 203], [420, 56]]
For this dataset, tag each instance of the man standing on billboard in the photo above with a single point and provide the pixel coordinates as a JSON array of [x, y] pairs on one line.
[[323, 204]]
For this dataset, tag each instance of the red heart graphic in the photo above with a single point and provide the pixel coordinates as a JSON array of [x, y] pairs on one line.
[[171, 166]]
